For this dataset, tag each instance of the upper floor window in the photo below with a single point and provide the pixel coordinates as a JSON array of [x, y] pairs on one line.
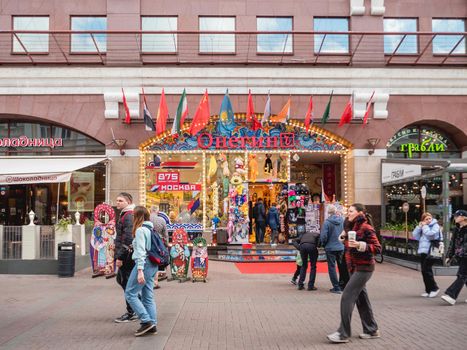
[[445, 43], [331, 43], [88, 42], [31, 42], [159, 42], [274, 43], [399, 44], [217, 43]]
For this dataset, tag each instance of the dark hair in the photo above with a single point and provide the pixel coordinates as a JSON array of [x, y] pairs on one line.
[[361, 208], [260, 199], [127, 196], [140, 214], [273, 204]]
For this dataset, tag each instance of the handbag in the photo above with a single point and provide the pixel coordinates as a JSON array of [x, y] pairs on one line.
[[436, 249]]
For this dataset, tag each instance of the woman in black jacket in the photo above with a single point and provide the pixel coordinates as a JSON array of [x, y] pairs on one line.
[[458, 250]]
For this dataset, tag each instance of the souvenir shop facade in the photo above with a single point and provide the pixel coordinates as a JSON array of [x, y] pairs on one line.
[[210, 182], [49, 169]]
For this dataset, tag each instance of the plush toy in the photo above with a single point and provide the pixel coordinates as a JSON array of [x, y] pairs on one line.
[[236, 179], [268, 164], [212, 168], [225, 165], [253, 165], [239, 166]]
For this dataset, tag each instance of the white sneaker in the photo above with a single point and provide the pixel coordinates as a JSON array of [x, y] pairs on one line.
[[425, 295], [433, 294], [337, 338], [448, 299], [374, 335]]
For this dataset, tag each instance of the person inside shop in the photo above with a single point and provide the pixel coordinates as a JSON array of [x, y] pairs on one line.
[[330, 232], [259, 215], [160, 226], [457, 251], [123, 248], [361, 245], [307, 244], [273, 222], [425, 233]]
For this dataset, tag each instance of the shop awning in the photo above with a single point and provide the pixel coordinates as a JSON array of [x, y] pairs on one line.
[[32, 170]]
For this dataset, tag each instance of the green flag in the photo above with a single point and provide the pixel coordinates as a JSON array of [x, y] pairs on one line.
[[182, 112], [325, 116]]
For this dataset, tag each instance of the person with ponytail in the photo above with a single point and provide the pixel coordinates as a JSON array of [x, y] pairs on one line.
[[361, 244], [141, 280]]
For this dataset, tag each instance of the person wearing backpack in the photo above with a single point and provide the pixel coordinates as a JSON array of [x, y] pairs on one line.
[[160, 227], [141, 280], [123, 249]]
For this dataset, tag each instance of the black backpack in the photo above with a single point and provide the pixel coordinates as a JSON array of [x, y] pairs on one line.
[[158, 254]]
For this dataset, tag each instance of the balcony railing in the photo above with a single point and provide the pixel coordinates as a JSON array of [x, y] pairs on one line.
[[136, 48]]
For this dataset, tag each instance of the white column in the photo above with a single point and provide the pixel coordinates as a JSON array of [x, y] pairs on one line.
[[1, 241], [31, 241], [78, 237]]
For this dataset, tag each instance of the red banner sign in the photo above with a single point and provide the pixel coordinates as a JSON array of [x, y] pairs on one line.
[[285, 140]]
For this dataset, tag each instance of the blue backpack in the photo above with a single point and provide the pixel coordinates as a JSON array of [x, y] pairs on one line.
[[158, 254]]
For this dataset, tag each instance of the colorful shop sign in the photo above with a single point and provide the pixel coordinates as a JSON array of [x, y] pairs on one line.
[[176, 187], [168, 178], [283, 140], [428, 145], [419, 140]]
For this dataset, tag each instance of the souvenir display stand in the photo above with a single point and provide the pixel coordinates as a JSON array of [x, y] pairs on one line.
[[102, 246], [179, 256], [199, 260]]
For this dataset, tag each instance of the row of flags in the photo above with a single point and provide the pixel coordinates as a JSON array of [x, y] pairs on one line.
[[226, 123]]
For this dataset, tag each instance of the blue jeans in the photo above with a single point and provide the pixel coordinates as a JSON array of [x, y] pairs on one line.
[[331, 258], [146, 307]]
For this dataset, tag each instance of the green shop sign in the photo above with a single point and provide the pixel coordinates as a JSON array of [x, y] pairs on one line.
[[428, 145]]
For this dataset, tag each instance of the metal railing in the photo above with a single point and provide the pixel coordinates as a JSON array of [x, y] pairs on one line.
[[47, 242], [12, 242], [136, 48]]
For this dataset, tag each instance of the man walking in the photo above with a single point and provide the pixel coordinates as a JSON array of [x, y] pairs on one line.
[[259, 214], [330, 232], [123, 248]]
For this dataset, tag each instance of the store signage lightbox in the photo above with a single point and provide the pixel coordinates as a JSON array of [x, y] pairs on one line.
[[395, 171]]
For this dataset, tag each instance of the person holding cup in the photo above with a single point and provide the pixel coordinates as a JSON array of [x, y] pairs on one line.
[[361, 244]]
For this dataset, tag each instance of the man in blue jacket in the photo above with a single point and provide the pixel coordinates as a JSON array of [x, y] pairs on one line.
[[273, 222], [330, 232]]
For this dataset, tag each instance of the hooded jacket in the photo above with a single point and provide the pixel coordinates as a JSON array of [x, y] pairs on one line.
[[458, 246], [332, 228], [124, 228], [142, 244], [425, 234], [273, 220]]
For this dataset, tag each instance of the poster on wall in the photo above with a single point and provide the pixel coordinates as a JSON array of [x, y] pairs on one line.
[[81, 192]]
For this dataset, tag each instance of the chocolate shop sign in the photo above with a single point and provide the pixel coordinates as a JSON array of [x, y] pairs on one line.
[[24, 141], [282, 141]]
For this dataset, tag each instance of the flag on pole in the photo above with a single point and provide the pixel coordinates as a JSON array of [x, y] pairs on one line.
[[162, 115], [347, 115], [284, 114], [182, 112], [127, 110], [365, 117], [325, 116], [267, 111], [309, 115], [202, 115], [226, 123], [150, 126], [250, 113]]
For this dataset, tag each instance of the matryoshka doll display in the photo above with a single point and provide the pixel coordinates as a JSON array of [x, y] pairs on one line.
[[102, 249], [199, 260], [179, 256]]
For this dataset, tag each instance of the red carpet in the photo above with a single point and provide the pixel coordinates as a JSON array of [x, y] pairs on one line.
[[275, 268]]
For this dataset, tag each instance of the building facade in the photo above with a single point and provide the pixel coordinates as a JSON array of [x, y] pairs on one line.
[[64, 65]]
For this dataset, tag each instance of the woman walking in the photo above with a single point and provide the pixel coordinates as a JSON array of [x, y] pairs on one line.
[[425, 233], [141, 280], [361, 244]]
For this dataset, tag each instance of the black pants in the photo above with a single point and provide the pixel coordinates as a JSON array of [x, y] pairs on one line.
[[427, 273], [260, 229], [355, 293], [122, 277], [308, 250], [343, 271], [455, 288], [297, 272]]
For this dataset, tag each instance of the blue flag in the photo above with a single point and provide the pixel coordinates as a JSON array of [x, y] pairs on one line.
[[226, 123]]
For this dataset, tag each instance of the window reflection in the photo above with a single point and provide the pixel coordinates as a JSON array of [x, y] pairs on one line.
[[32, 42], [331, 43], [409, 43], [159, 42], [217, 43], [274, 43], [445, 43], [85, 42]]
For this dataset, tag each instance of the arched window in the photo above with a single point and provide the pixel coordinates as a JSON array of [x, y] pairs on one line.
[[422, 141]]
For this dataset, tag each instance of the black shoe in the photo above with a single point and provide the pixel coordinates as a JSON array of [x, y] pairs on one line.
[[301, 287], [293, 281], [145, 328], [127, 317], [335, 290], [153, 330], [312, 288]]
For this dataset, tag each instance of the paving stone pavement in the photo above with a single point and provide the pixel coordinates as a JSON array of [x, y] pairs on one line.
[[230, 311]]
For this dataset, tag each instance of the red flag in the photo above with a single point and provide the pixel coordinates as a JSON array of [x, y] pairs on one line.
[[309, 115], [202, 115], [346, 116], [127, 110], [162, 115], [365, 117], [250, 113]]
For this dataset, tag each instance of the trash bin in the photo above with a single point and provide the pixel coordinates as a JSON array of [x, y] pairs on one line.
[[66, 259]]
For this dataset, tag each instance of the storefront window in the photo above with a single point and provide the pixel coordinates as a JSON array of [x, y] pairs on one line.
[[421, 142]]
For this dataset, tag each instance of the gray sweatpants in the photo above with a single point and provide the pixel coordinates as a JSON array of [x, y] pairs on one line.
[[355, 293]]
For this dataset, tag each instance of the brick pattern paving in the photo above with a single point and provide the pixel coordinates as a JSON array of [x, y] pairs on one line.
[[231, 311]]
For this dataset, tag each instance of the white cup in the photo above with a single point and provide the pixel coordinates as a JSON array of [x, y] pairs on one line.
[[352, 235]]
